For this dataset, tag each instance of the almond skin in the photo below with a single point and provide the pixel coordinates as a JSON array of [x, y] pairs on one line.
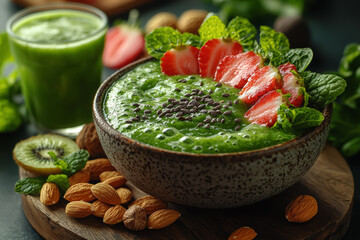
[[49, 194], [116, 182], [301, 209], [124, 194], [100, 208], [243, 233], [97, 166], [114, 215], [109, 174], [83, 176], [149, 204], [162, 218], [79, 209], [106, 193], [80, 192]]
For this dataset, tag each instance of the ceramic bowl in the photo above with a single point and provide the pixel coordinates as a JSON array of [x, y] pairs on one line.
[[208, 180]]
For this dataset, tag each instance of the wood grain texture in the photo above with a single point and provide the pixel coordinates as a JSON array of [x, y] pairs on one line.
[[110, 7], [330, 181]]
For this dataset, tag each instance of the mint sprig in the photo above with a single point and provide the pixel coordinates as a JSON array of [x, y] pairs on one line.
[[71, 163], [30, 185], [300, 57], [61, 180], [212, 28], [164, 39]]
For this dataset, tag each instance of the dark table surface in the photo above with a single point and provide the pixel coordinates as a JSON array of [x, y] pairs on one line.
[[333, 24]]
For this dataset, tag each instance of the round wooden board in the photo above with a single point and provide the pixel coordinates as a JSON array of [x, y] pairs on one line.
[[330, 181]]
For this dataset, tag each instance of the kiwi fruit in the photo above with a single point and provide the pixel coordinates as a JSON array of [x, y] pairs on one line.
[[32, 153]]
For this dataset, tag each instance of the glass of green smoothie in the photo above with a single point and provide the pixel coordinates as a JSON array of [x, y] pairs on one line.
[[57, 48]]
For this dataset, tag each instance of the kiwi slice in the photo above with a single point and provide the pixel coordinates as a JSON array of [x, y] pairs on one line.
[[32, 153]]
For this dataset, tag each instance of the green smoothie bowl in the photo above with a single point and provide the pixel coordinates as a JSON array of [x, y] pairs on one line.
[[189, 158]]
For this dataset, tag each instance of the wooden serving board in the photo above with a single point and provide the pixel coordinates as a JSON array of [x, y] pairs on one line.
[[330, 181], [110, 7]]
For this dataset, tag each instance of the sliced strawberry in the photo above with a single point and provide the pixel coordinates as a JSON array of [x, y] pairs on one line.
[[292, 84], [182, 60], [286, 68], [236, 69], [261, 82], [123, 44], [213, 51], [264, 111]]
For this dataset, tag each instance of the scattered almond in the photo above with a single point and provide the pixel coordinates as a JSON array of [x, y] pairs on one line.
[[162, 19], [191, 20], [100, 208], [80, 192], [135, 218], [106, 193], [301, 209], [97, 166], [116, 182], [162, 218], [109, 174], [49, 194], [79, 209], [114, 215], [243, 233], [124, 194], [88, 139], [83, 176], [149, 203]]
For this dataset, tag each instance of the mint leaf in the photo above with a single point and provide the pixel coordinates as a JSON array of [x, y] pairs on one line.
[[240, 29], [212, 28], [61, 180], [58, 162], [294, 119], [29, 185], [163, 39], [274, 45], [300, 57], [76, 161], [323, 88]]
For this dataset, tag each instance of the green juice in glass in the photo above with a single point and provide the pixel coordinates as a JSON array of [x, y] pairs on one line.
[[59, 57]]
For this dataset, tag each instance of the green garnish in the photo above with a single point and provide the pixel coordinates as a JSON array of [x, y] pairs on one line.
[[71, 163], [29, 185], [61, 180]]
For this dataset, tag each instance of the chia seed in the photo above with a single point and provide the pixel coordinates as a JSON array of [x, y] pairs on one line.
[[217, 107], [218, 120], [213, 113], [137, 109], [184, 99], [201, 93], [135, 119], [179, 114], [201, 84], [147, 111], [170, 106], [222, 101], [237, 120], [207, 96], [237, 128], [178, 89], [181, 118], [201, 106], [145, 117], [226, 95], [211, 91], [200, 125], [128, 121], [227, 112], [195, 90], [168, 114], [170, 100], [218, 84], [230, 103], [192, 110], [198, 98], [204, 111], [219, 112], [213, 120], [188, 118], [159, 111], [188, 95], [223, 120], [226, 106], [135, 104], [162, 114], [207, 126], [236, 101]]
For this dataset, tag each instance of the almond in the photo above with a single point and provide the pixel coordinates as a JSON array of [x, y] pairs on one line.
[[97, 166], [80, 192], [114, 215], [106, 193], [149, 204], [49, 194], [124, 194], [82, 176], [79, 209], [243, 233], [162, 218], [100, 208], [301, 209], [109, 174], [116, 182]]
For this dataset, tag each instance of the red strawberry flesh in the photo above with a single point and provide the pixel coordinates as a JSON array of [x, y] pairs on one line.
[[236, 69], [180, 61], [123, 44], [213, 51], [264, 111], [261, 82], [291, 84]]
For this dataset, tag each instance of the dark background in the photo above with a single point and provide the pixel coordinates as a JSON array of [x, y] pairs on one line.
[[333, 24]]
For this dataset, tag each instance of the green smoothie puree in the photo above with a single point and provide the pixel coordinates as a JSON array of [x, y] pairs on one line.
[[58, 53], [184, 113]]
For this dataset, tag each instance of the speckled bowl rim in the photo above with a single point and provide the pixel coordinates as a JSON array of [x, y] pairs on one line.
[[100, 119]]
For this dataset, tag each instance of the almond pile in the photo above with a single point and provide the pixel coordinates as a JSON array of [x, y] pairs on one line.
[[99, 190]]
